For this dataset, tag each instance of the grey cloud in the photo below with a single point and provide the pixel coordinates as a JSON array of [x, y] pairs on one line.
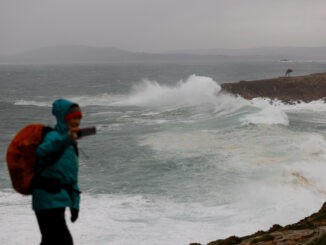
[[157, 25]]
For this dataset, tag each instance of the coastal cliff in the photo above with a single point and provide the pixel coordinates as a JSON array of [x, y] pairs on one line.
[[287, 89], [309, 231]]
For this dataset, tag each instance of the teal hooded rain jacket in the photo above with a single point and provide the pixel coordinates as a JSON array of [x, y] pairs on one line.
[[58, 163]]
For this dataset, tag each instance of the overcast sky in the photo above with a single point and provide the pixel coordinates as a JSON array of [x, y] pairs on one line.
[[161, 25]]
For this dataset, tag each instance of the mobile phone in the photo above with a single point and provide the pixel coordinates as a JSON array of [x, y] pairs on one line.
[[86, 131]]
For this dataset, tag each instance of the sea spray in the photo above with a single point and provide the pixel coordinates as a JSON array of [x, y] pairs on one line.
[[194, 91]]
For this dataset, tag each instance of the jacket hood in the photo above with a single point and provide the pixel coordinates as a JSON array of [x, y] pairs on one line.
[[59, 109]]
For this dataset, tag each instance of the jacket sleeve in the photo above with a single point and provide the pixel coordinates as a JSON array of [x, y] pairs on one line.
[[53, 143], [75, 196]]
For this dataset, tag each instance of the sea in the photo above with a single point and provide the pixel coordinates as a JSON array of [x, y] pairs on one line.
[[174, 160]]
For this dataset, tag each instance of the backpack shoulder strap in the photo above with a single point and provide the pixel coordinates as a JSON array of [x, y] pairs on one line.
[[38, 172], [45, 130]]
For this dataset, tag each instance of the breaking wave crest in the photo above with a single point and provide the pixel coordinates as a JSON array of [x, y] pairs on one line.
[[267, 114], [195, 90], [33, 103]]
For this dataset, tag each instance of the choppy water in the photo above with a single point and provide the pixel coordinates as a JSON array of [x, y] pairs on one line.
[[175, 160]]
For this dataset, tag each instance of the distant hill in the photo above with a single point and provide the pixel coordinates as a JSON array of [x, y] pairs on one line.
[[99, 55], [68, 54], [96, 55]]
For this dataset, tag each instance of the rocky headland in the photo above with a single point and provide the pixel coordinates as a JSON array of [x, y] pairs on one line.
[[309, 231], [287, 89]]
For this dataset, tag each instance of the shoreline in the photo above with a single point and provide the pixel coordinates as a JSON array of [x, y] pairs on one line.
[[289, 90], [308, 231]]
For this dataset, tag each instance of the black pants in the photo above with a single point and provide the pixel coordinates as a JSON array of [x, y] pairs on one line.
[[53, 227]]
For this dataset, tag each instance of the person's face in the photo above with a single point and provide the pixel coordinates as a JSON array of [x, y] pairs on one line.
[[73, 122]]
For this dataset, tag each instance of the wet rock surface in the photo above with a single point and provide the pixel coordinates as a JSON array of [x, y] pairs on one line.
[[287, 89], [309, 231]]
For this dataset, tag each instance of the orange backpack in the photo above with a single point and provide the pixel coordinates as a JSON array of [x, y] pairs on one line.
[[21, 156]]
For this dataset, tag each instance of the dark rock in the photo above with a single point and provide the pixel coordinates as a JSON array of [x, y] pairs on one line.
[[233, 240], [275, 227], [308, 231], [287, 89]]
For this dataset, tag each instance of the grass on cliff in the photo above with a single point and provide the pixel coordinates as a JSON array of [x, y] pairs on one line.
[[233, 240], [319, 241], [264, 238]]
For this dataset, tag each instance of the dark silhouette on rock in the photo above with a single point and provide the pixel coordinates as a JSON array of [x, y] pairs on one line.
[[288, 71], [287, 89]]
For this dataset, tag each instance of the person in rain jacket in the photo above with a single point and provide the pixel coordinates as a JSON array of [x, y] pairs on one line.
[[56, 182]]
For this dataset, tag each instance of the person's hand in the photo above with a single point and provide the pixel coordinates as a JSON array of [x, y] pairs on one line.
[[74, 214], [73, 133]]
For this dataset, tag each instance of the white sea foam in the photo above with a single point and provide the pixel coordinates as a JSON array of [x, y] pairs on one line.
[[308, 175], [195, 90], [265, 112], [226, 104], [311, 145], [269, 115], [299, 106], [137, 219], [258, 146], [313, 106], [34, 103], [116, 220], [275, 111], [97, 100]]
